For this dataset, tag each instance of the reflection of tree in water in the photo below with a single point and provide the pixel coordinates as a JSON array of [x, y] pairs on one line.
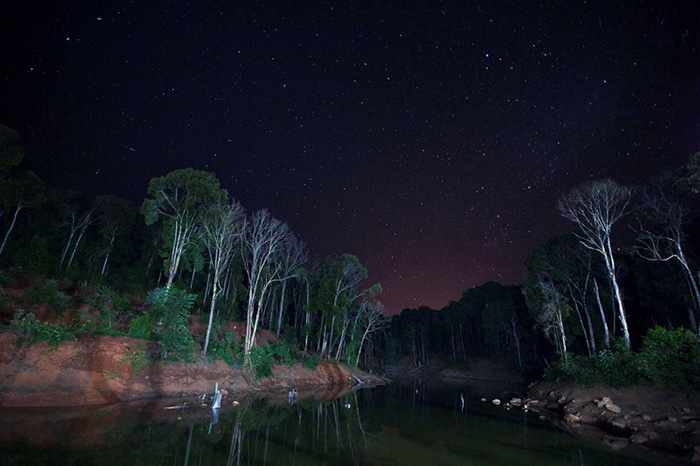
[[308, 432]]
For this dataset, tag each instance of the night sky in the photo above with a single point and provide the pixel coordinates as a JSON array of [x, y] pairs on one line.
[[431, 139]]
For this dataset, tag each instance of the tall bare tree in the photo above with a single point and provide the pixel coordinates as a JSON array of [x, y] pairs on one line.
[[117, 217], [661, 239], [263, 239], [370, 320], [292, 257], [221, 229], [595, 207]]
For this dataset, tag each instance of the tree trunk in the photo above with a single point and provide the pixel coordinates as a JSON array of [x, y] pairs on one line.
[[610, 264], [12, 225], [606, 331], [109, 250], [281, 310]]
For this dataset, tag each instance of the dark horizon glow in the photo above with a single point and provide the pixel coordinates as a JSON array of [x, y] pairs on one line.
[[430, 139]]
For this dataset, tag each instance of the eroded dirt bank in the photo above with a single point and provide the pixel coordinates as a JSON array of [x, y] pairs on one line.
[[656, 418], [99, 370]]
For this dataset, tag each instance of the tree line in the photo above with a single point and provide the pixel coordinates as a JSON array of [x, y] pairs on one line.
[[189, 235], [630, 265]]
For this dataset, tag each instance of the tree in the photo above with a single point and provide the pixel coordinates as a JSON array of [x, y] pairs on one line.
[[263, 238], [337, 291], [24, 190], [370, 320], [662, 240], [117, 217], [221, 230], [595, 207], [179, 199], [688, 178], [19, 189], [292, 257]]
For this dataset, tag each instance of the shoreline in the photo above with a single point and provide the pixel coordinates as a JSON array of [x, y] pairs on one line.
[[100, 370], [661, 420]]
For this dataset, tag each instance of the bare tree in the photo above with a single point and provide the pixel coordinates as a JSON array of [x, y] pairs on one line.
[[263, 238], [293, 256], [662, 241], [595, 207], [371, 320], [221, 230], [550, 317]]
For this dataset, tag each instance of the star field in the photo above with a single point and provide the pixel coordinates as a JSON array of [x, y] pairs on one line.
[[429, 138]]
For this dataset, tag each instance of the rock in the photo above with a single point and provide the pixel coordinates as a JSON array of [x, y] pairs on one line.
[[235, 403], [696, 455], [646, 417], [600, 403], [572, 419], [533, 402], [606, 400], [617, 424], [638, 439], [686, 410], [496, 401], [613, 408], [224, 392], [562, 400], [516, 401], [672, 419], [483, 400], [616, 443]]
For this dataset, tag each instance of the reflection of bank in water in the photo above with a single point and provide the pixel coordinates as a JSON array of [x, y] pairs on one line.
[[412, 423]]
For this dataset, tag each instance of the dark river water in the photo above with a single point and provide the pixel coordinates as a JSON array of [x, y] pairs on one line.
[[412, 423]]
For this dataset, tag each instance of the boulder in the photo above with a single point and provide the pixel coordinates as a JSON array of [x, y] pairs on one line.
[[613, 408]]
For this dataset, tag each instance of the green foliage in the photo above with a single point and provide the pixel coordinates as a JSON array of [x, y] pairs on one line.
[[141, 326], [261, 360], [224, 349], [36, 330], [169, 310], [136, 359], [311, 362], [262, 357], [669, 358], [48, 293]]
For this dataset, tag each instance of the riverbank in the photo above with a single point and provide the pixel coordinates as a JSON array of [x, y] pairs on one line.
[[660, 419], [97, 370]]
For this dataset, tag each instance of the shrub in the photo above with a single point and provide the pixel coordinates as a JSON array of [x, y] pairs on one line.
[[140, 327], [48, 293], [136, 359], [311, 362], [261, 360], [36, 330], [169, 310], [670, 357]]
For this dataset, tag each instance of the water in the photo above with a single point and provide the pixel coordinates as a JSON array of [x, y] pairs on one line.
[[399, 424]]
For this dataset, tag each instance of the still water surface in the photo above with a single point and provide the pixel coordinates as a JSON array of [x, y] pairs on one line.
[[412, 423]]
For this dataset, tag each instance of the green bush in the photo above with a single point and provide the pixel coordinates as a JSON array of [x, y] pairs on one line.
[[311, 362], [136, 359], [36, 330], [169, 310], [141, 327], [48, 293], [261, 359], [671, 357], [221, 349]]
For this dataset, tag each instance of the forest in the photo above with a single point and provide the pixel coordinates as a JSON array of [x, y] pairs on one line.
[[617, 299]]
